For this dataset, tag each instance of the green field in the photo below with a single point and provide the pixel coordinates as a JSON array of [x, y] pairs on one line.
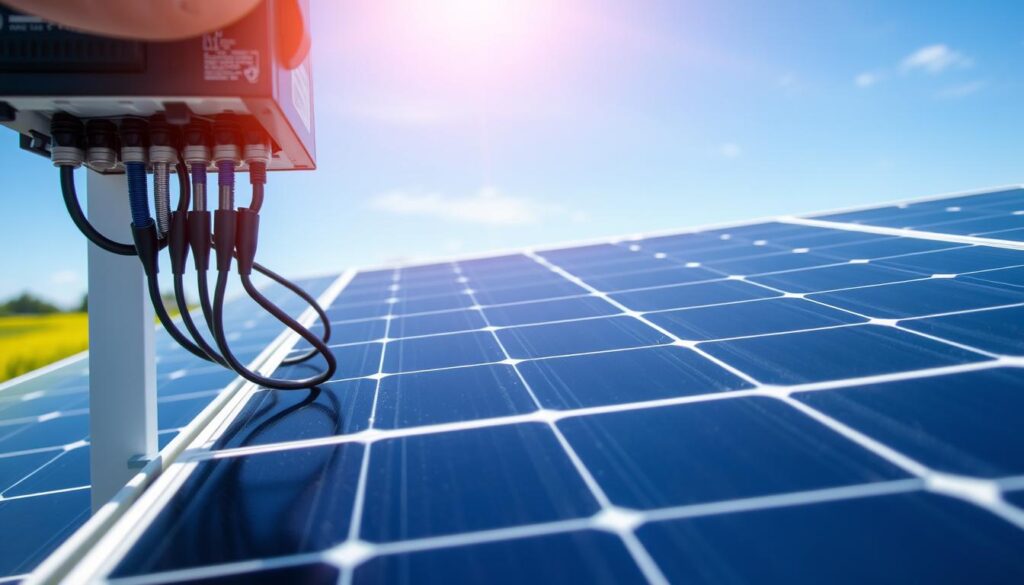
[[28, 342]]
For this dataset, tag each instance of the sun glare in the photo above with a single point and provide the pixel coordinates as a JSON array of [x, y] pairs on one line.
[[487, 26]]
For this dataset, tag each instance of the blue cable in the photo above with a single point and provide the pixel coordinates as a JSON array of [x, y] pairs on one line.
[[137, 193], [226, 173], [198, 173]]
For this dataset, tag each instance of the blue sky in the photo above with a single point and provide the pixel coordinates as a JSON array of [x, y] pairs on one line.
[[458, 126]]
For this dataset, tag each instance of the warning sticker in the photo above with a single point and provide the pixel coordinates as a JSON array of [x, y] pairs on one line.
[[222, 61]]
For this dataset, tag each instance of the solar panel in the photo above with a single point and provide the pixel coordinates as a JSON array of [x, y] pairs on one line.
[[834, 399], [44, 428]]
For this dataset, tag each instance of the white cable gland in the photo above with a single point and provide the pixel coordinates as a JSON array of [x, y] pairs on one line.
[[257, 153], [163, 154], [196, 153], [133, 154], [226, 152], [67, 156], [101, 158]]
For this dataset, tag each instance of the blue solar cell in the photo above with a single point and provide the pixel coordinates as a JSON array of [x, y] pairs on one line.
[[338, 408], [436, 303], [13, 469], [1016, 498], [550, 290], [718, 252], [429, 485], [348, 312], [995, 330], [884, 247], [575, 557], [661, 277], [975, 225], [435, 323], [261, 505], [410, 400], [772, 263], [416, 290], [354, 361], [633, 375], [70, 470], [41, 524], [1008, 276], [531, 275], [174, 414], [824, 237], [923, 297], [912, 538], [50, 433], [546, 311], [58, 402], [637, 262], [833, 354], [582, 255], [497, 263], [212, 378], [589, 335], [717, 450], [441, 351], [692, 295], [750, 318], [833, 277], [915, 417], [352, 332], [957, 260]]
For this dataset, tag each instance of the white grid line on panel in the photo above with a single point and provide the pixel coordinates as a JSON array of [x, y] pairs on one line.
[[355, 522]]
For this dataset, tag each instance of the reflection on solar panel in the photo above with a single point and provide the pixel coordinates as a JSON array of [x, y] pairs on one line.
[[44, 428], [802, 400]]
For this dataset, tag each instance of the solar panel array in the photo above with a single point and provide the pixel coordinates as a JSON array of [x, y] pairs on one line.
[[791, 401], [44, 428]]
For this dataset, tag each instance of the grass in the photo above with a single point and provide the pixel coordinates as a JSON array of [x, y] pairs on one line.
[[28, 342]]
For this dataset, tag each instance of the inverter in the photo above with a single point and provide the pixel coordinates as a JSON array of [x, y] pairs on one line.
[[257, 69]]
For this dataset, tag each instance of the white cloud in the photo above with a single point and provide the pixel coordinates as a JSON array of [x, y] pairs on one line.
[[64, 278], [866, 79], [934, 59], [488, 207], [730, 150], [960, 91]]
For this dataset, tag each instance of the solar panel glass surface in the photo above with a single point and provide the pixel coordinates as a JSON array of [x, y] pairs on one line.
[[790, 401]]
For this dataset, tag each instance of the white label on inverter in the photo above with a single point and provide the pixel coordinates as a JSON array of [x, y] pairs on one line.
[[223, 61], [301, 93]]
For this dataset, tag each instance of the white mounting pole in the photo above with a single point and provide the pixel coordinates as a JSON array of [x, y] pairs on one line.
[[122, 370]]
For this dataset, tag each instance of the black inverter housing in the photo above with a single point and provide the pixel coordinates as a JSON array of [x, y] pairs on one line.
[[257, 69]]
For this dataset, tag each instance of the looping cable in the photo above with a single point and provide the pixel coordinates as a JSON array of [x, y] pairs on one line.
[[147, 246]]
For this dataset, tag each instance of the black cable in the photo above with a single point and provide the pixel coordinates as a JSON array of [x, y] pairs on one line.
[[67, 187], [298, 290], [200, 348], [185, 188], [319, 346], [179, 254], [229, 357], [257, 197], [161, 312], [190, 325], [74, 207]]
